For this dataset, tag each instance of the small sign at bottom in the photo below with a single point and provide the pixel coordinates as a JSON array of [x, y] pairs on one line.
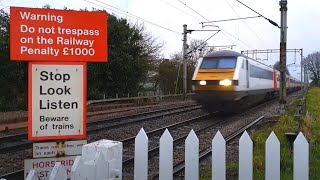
[[58, 149], [44, 166]]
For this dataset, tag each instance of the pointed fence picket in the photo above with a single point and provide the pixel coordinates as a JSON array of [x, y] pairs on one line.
[[272, 157], [58, 172], [141, 156], [32, 175], [166, 156], [301, 158], [192, 157], [245, 157], [102, 159], [218, 157]]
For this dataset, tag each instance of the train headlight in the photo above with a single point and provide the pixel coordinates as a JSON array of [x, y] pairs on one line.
[[225, 82], [203, 83]]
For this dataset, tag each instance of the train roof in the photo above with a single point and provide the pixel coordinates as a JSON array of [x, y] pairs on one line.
[[224, 53], [228, 53]]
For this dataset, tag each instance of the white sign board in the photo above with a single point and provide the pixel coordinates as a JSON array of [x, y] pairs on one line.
[[57, 105], [58, 149], [43, 167]]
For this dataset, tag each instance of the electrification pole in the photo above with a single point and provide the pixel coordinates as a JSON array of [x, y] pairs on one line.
[[283, 53], [302, 68], [184, 51]]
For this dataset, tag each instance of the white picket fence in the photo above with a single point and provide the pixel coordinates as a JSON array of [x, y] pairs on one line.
[[102, 160]]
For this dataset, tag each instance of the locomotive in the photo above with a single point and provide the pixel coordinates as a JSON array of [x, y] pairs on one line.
[[229, 81]]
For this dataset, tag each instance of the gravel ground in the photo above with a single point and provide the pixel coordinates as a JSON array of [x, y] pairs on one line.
[[15, 161]]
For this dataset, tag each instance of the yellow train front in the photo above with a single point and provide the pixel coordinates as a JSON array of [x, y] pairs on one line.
[[230, 81]]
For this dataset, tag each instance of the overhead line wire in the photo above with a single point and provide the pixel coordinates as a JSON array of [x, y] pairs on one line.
[[270, 21], [192, 9], [244, 21], [223, 31], [181, 10], [203, 42], [130, 14], [249, 17]]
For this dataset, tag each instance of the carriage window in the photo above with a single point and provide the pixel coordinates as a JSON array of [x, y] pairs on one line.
[[219, 63]]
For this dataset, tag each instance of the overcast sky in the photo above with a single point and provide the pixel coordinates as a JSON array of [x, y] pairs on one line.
[[246, 35]]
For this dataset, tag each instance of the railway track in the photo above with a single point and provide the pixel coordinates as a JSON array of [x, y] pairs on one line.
[[20, 141], [16, 141], [205, 153]]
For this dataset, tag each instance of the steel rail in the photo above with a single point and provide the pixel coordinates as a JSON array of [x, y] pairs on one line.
[[155, 150], [20, 142]]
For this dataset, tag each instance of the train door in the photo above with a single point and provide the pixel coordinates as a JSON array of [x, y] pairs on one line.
[[247, 72]]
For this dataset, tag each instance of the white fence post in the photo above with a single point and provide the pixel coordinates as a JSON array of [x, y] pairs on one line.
[[218, 157], [141, 156], [32, 175], [192, 157], [301, 158], [245, 157], [166, 157], [58, 172], [76, 169], [272, 157]]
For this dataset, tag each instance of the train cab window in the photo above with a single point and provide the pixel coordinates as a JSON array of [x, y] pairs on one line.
[[218, 63]]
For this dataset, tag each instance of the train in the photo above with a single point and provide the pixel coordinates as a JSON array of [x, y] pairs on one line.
[[229, 81]]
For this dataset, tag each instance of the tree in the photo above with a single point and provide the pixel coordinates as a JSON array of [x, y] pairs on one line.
[[13, 75], [277, 67], [132, 52], [170, 70], [312, 64], [197, 49]]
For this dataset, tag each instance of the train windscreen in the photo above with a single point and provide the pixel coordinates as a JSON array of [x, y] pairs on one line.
[[218, 63]]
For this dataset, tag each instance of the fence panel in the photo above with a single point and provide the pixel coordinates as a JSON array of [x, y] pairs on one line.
[[103, 159]]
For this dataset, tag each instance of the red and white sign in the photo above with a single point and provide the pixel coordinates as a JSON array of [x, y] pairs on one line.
[[58, 35], [44, 166], [57, 101]]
